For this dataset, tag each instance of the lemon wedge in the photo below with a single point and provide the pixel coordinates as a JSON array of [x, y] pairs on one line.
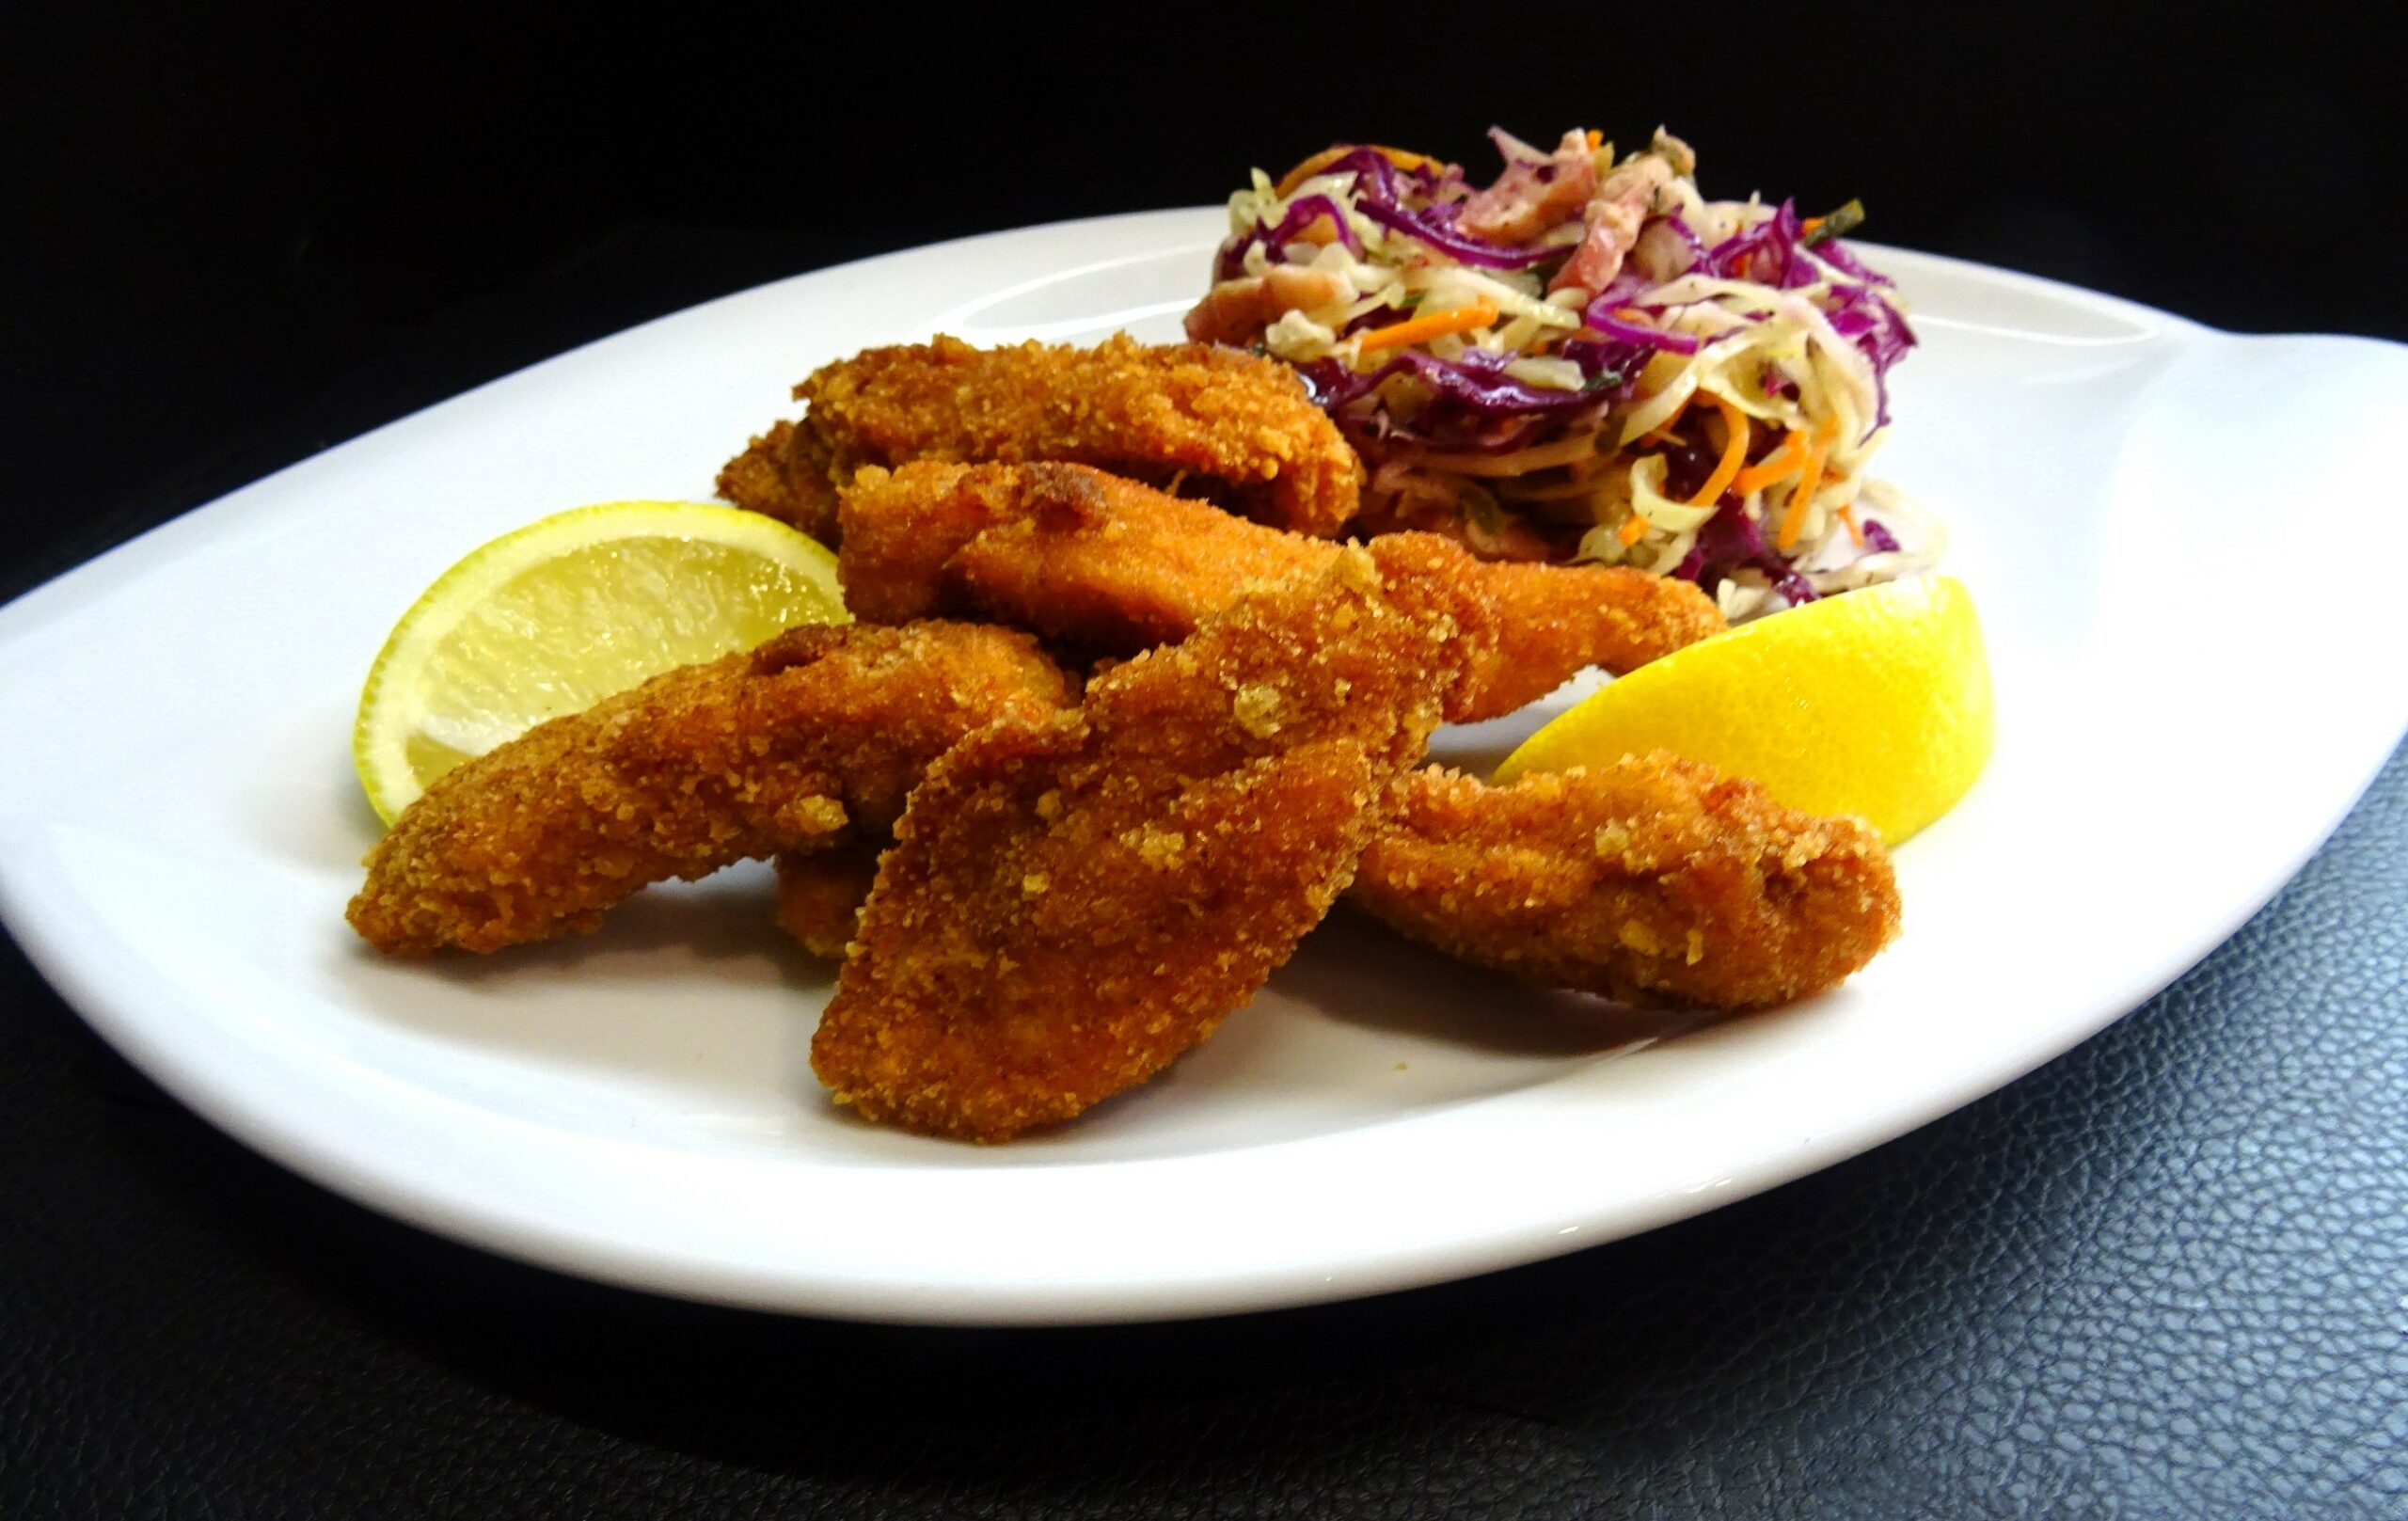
[[1875, 703], [563, 613]]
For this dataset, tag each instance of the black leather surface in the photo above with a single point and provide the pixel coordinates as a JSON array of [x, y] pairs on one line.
[[2166, 1275]]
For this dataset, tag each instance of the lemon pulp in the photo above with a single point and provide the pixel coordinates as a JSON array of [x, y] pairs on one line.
[[552, 618]]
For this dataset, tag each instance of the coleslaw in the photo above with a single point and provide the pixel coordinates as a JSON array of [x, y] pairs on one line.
[[1587, 360]]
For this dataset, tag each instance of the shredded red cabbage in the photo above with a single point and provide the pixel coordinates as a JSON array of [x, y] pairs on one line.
[[1631, 289], [1859, 315], [1434, 229], [1729, 541], [1302, 212], [1773, 253], [1688, 463], [1476, 381], [1834, 253], [1602, 362], [1879, 539], [1376, 196], [1374, 173], [1600, 318], [1767, 253]]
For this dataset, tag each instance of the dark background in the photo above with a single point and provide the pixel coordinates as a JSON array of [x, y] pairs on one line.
[[241, 233], [2164, 1275]]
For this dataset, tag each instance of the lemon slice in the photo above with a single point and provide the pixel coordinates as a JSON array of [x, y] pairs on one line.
[[1875, 703], [565, 611]]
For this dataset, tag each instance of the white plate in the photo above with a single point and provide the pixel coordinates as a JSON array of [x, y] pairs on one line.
[[2161, 523]]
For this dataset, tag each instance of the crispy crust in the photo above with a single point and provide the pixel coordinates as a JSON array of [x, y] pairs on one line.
[[781, 748], [820, 894], [1157, 413], [1089, 559], [1775, 905], [1068, 907], [1110, 566], [1651, 881], [785, 474]]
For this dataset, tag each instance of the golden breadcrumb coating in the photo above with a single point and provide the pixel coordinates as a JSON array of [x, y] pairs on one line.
[[1651, 881], [785, 474], [1072, 905], [820, 893], [1773, 905], [1088, 559], [1111, 566], [1554, 621], [784, 747], [1157, 413]]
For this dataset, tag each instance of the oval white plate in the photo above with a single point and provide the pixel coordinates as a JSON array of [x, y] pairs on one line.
[[2157, 521]]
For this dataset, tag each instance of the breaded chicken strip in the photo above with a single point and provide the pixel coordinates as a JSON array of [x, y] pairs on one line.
[[1556, 620], [1071, 906], [781, 748], [1068, 551], [820, 893], [1155, 413], [1651, 881], [1113, 567]]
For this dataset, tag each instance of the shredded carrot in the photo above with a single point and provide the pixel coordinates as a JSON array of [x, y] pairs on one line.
[[1778, 466], [1734, 452], [1421, 329], [1596, 139], [1634, 528], [1318, 162], [1793, 517], [1662, 431], [1847, 516], [1810, 224]]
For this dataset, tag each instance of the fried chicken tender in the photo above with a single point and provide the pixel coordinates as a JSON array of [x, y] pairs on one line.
[[820, 893], [782, 748], [1070, 905], [1156, 413], [1111, 566], [1651, 881], [1084, 557], [1559, 619], [1654, 882]]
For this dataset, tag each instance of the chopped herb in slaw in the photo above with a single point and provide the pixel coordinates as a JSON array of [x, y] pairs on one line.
[[1587, 360]]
